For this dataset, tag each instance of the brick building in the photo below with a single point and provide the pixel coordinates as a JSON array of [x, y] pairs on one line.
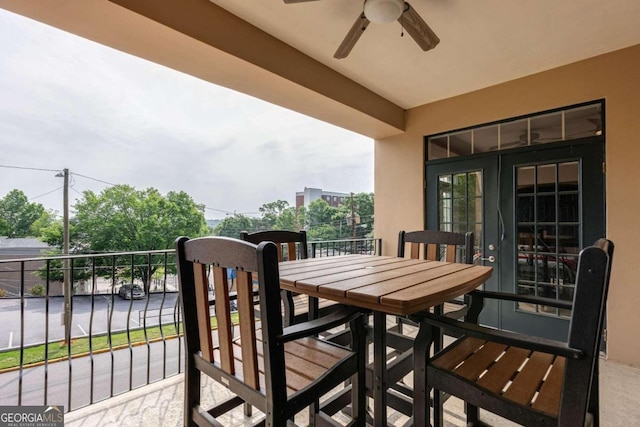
[[304, 198]]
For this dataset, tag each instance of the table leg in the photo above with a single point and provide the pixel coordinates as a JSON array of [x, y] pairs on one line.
[[438, 338], [426, 336], [379, 369], [421, 346]]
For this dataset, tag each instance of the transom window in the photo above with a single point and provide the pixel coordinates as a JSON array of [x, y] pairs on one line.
[[542, 128]]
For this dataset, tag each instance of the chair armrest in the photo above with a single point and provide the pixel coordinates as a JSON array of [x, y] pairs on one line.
[[343, 315], [506, 296], [504, 337]]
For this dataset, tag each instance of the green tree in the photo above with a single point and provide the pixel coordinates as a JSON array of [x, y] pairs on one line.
[[19, 218], [319, 213], [323, 232], [53, 270], [4, 227], [52, 234], [321, 221], [342, 220], [325, 222], [270, 212], [231, 226], [123, 219], [363, 206], [288, 220]]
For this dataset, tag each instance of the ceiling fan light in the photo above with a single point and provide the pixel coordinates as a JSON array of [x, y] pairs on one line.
[[383, 11]]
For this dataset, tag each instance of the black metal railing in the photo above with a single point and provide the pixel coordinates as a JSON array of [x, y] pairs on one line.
[[367, 246], [117, 344]]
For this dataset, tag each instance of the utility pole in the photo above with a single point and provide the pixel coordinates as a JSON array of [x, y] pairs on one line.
[[65, 251]]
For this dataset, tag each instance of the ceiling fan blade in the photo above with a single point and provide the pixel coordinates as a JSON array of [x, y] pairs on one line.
[[296, 1], [352, 37], [418, 29]]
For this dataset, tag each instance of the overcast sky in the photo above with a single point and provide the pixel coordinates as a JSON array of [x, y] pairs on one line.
[[67, 102]]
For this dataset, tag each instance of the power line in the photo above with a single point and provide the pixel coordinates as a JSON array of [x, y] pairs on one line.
[[44, 194], [231, 212], [219, 210], [55, 170], [76, 191], [94, 179], [26, 168], [226, 212]]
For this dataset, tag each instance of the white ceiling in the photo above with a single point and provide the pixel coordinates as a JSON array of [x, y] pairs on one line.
[[483, 42]]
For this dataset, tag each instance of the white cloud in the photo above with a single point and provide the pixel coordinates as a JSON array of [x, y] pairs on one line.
[[69, 102]]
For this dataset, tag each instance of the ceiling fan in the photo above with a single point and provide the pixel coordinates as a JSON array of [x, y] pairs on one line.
[[384, 12]]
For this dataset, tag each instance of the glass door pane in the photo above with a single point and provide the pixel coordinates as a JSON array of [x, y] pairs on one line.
[[460, 203], [547, 206]]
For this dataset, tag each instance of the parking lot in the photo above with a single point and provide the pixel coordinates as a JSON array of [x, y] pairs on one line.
[[36, 320]]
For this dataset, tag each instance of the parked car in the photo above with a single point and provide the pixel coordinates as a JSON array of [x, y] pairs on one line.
[[130, 290]]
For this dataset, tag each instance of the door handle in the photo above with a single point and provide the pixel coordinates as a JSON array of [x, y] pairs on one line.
[[478, 257]]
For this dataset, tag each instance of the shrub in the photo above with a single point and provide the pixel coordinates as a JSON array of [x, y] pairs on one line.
[[37, 290]]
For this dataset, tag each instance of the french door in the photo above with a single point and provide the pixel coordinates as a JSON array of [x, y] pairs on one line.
[[532, 210]]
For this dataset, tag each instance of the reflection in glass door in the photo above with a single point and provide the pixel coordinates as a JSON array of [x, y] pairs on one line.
[[548, 232], [460, 203]]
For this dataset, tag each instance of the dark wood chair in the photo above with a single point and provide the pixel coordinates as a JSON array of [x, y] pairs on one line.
[[529, 380], [292, 245], [433, 245], [436, 245], [280, 371]]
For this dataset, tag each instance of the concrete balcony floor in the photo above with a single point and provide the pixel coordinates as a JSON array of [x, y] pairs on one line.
[[160, 404]]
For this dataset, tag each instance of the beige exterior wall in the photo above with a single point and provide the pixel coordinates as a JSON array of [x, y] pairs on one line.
[[399, 169]]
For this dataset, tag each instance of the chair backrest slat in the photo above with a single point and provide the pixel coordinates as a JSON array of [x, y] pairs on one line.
[[248, 330], [415, 250], [291, 252], [451, 253], [295, 241], [431, 252], [202, 301], [431, 242], [223, 317]]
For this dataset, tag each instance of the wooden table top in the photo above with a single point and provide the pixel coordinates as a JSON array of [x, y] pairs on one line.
[[388, 284]]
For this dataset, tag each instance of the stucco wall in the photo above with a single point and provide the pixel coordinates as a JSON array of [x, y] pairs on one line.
[[399, 169]]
